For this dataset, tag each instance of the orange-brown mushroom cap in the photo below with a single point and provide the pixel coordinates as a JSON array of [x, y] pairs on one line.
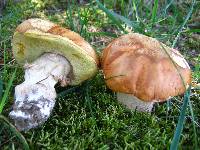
[[140, 65]]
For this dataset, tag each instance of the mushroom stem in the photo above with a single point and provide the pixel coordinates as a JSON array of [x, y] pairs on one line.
[[35, 97], [133, 102]]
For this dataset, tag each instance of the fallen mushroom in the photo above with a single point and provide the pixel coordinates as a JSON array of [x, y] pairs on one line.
[[140, 69], [49, 54]]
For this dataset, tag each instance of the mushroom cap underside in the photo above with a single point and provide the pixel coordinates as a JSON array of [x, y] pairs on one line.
[[142, 66], [35, 37]]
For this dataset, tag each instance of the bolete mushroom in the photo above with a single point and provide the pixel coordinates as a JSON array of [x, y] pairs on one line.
[[143, 70], [49, 54]]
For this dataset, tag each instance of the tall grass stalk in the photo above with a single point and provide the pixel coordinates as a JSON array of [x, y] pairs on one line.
[[184, 23], [6, 94], [135, 10], [193, 124], [1, 88], [154, 12], [167, 6], [179, 128]]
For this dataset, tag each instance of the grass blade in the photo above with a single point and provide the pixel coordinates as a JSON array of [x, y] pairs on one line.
[[88, 100], [70, 18], [168, 5], [5, 96], [65, 92], [154, 12], [116, 18], [1, 88], [193, 30], [184, 23], [135, 9], [111, 15], [179, 128], [16, 133], [193, 123]]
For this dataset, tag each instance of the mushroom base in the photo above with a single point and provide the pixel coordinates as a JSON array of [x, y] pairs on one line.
[[134, 103], [35, 97]]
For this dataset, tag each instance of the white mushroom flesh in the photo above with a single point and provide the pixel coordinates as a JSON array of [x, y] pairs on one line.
[[35, 97], [134, 103]]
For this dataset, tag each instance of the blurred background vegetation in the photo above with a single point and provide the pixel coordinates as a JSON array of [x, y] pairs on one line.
[[88, 116]]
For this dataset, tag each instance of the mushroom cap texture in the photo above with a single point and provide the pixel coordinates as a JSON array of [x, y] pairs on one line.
[[140, 65], [34, 37]]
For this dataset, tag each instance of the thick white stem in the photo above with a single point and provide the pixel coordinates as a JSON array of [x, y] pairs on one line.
[[35, 97], [133, 102]]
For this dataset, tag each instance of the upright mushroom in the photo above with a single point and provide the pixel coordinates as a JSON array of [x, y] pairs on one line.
[[49, 54], [143, 70]]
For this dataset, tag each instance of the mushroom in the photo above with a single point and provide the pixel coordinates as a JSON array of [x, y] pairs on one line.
[[49, 54], [143, 70]]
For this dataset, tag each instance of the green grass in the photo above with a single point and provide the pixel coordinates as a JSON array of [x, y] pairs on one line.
[[88, 116]]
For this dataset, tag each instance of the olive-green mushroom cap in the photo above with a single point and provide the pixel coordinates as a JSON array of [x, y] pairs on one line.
[[35, 37]]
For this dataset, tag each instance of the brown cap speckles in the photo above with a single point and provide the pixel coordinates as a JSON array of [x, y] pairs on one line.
[[140, 65]]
